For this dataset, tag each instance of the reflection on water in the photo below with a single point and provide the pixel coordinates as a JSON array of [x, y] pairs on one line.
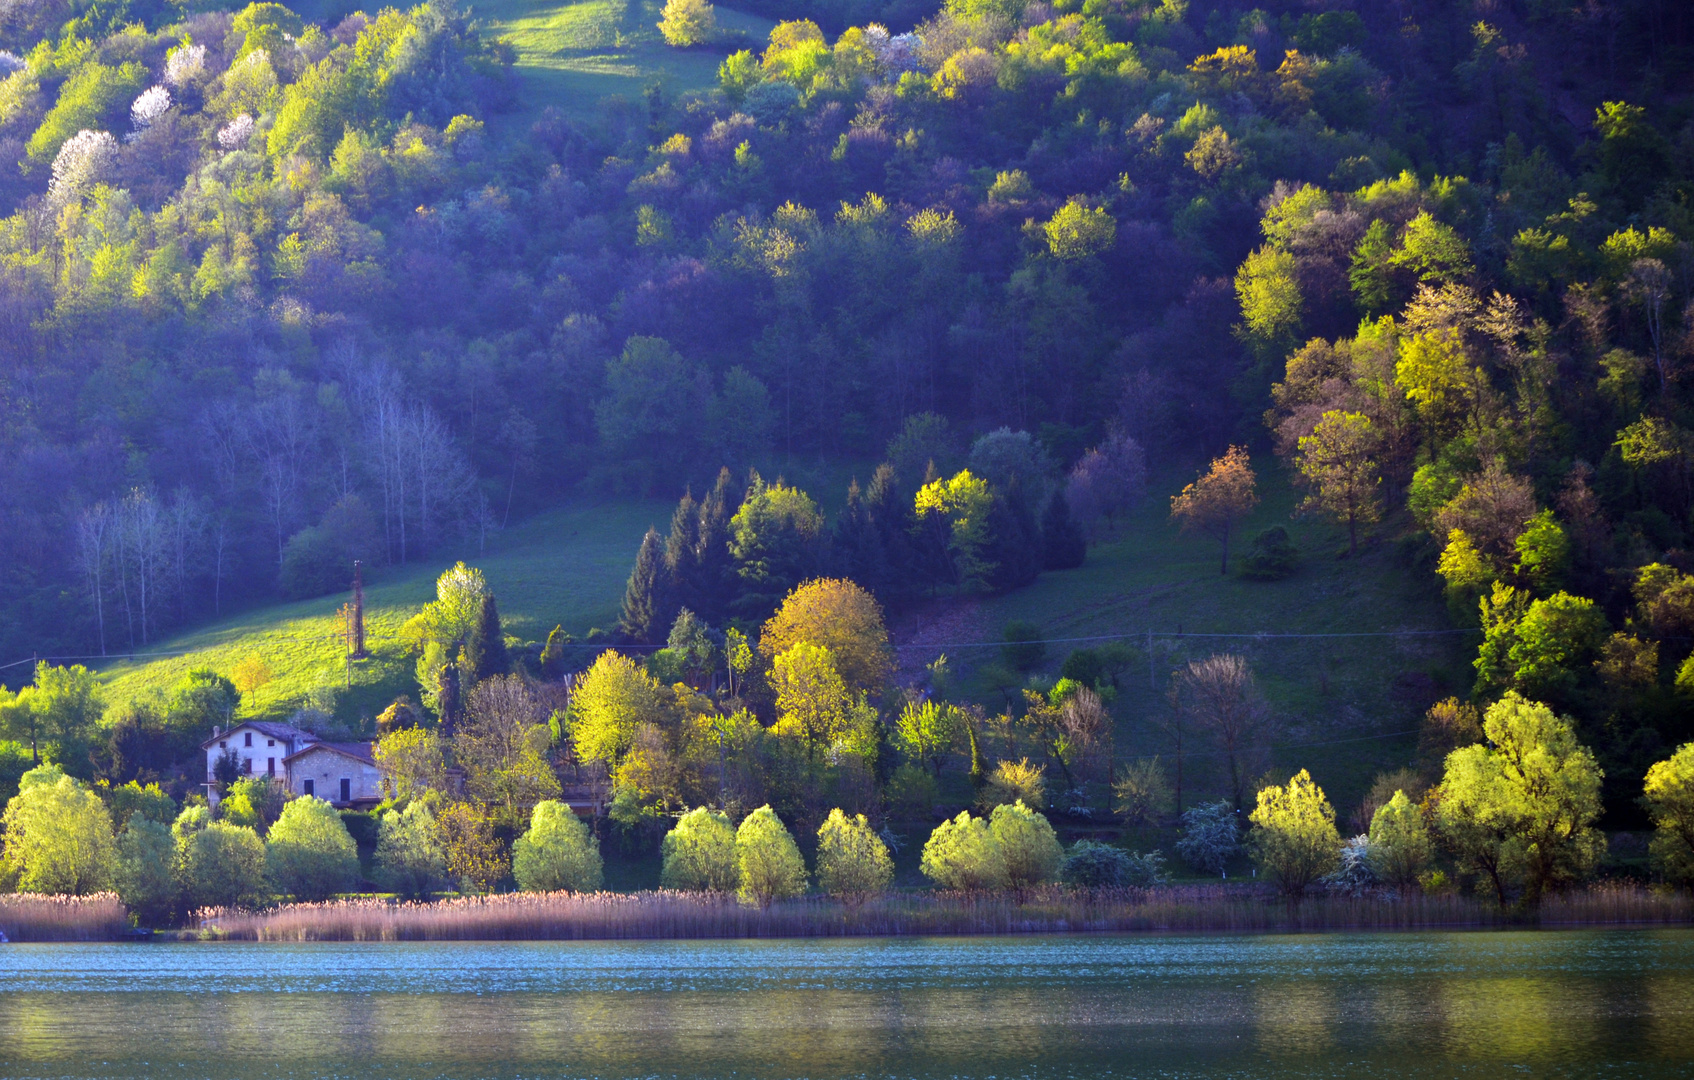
[[1417, 1005]]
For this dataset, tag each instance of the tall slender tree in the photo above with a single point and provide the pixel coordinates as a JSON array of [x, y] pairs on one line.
[[643, 597]]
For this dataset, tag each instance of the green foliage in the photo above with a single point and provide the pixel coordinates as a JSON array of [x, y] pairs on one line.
[[410, 859], [1400, 847], [1141, 791], [222, 865], [961, 854], [1536, 646], [1090, 864], [557, 853], [58, 836], [1024, 648], [612, 698], [853, 862], [131, 802], [254, 802], [688, 22], [1270, 299], [1519, 810], [1294, 839], [700, 853], [1668, 795], [94, 97], [1079, 231], [1029, 849], [144, 873], [1272, 556], [960, 507], [768, 864], [309, 853]]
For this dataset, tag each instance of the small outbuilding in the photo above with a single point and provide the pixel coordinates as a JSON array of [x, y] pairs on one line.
[[343, 774]]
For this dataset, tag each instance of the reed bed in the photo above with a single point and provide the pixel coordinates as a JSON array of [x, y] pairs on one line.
[[33, 917], [663, 915]]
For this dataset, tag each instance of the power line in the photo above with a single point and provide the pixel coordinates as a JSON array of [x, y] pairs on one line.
[[1140, 635]]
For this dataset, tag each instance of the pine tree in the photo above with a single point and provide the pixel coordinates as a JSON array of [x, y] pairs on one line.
[[858, 551], [485, 653], [893, 517], [450, 701], [715, 568], [682, 557], [643, 597], [1015, 543], [1063, 542]]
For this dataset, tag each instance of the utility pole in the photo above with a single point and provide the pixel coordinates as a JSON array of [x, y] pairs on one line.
[[356, 617]]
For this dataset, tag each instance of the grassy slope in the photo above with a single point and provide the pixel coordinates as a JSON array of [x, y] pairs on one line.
[[571, 55], [1320, 690], [567, 566]]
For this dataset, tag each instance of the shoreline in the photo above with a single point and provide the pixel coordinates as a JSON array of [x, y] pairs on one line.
[[674, 916]]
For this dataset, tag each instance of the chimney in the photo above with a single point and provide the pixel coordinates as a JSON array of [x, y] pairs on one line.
[[217, 729]]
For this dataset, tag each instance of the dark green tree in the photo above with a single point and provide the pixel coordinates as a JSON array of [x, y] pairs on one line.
[[450, 700], [485, 653], [1015, 542], [553, 655], [643, 598], [1064, 545]]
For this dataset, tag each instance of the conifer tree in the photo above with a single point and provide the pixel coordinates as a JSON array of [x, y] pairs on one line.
[[715, 569], [449, 700], [1064, 546], [1015, 543], [889, 513], [553, 655], [485, 648], [643, 597], [859, 555], [682, 558]]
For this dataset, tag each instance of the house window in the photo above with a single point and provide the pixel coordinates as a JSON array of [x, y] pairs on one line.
[[346, 790], [270, 742], [224, 745], [308, 787], [270, 766], [249, 764], [249, 738]]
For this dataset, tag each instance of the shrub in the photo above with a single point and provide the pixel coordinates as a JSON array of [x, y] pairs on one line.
[[1272, 557], [132, 800], [769, 863], [1027, 844], [1086, 666], [1210, 836], [1014, 781], [699, 853], [58, 836], [962, 854], [853, 862], [1356, 875], [145, 874], [223, 865], [1142, 792], [912, 791], [1024, 648], [409, 858], [1091, 864], [688, 22], [310, 853], [254, 802], [557, 854]]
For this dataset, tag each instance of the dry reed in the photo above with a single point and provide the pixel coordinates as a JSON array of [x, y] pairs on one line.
[[33, 917], [674, 915]]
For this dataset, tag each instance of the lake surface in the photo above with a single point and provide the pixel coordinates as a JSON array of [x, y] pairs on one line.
[[1553, 1004]]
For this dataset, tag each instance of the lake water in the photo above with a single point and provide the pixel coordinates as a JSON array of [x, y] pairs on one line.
[[1548, 1004]]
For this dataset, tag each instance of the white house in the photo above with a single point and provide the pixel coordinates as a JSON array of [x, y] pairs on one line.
[[260, 747], [343, 774]]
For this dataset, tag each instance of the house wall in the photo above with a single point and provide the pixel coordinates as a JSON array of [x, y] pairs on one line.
[[326, 768], [256, 760]]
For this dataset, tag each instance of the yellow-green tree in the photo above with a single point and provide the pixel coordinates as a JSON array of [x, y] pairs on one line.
[[688, 22], [411, 761], [1079, 231], [962, 503], [1293, 838], [1520, 808], [612, 699], [853, 862], [1669, 795], [1400, 847], [557, 853], [813, 703], [58, 836], [309, 853], [699, 853], [1338, 465], [1029, 849], [767, 860], [961, 854]]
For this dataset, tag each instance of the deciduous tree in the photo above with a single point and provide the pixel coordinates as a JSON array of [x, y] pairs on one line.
[[768, 863], [1294, 838], [557, 853], [1218, 500], [853, 862], [1338, 465]]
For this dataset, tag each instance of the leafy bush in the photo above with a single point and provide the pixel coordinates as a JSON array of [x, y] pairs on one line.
[[318, 560], [1141, 791], [223, 865], [1013, 782], [58, 836], [557, 853], [145, 875], [1211, 835], [1091, 864], [1272, 557], [767, 860], [309, 852], [409, 857], [962, 854], [853, 862], [255, 802], [699, 853], [1024, 648], [1029, 849]]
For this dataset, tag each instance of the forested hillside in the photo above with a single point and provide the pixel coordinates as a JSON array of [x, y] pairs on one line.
[[280, 293]]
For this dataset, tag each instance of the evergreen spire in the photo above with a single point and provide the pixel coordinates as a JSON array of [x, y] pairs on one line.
[[643, 597], [1064, 545]]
